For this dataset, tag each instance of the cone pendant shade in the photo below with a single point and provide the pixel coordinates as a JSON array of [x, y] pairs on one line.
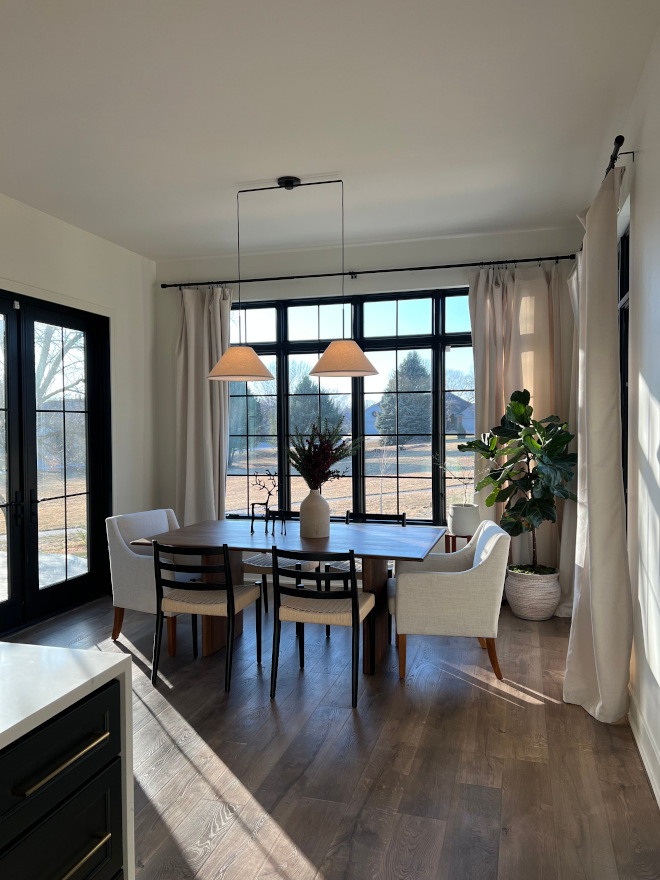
[[240, 363], [343, 357]]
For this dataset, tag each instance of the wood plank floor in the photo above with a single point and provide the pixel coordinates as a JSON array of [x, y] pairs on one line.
[[451, 774]]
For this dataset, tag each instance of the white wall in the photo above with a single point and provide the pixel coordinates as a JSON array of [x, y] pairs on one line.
[[545, 242], [46, 258], [642, 133]]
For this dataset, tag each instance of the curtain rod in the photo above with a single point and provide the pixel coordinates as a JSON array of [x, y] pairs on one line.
[[356, 272]]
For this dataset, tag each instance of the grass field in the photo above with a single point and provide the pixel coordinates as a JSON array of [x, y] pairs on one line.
[[414, 483]]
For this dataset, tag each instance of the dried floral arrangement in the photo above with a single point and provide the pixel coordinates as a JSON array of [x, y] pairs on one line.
[[315, 455]]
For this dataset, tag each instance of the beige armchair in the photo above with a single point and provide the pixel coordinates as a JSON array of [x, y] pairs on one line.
[[132, 567], [453, 594]]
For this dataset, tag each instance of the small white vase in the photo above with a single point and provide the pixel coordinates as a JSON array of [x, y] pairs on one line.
[[463, 519], [314, 516]]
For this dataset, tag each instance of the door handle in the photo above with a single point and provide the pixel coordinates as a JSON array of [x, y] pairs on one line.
[[17, 504]]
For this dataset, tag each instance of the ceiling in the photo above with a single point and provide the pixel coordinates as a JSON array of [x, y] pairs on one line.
[[139, 119]]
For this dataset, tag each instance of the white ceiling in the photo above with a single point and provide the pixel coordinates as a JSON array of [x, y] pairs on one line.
[[139, 119]]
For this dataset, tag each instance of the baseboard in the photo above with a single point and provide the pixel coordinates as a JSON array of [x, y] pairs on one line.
[[648, 749]]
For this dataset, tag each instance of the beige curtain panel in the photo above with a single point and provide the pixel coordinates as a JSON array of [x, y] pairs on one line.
[[523, 336], [202, 407], [598, 662]]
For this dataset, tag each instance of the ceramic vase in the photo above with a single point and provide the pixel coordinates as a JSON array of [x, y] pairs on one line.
[[314, 516], [463, 519]]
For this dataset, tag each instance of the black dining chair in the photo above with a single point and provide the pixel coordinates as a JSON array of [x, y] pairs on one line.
[[194, 595], [261, 563], [385, 519], [329, 598]]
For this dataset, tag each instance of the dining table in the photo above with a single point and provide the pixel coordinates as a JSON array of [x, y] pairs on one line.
[[374, 543]]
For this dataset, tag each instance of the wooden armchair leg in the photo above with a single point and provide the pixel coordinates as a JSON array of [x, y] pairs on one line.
[[116, 626], [402, 655], [492, 655], [482, 642], [171, 636]]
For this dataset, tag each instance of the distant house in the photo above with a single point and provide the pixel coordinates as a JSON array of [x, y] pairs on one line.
[[371, 413], [459, 415]]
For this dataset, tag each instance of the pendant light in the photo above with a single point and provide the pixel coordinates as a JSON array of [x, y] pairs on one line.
[[240, 363], [343, 357]]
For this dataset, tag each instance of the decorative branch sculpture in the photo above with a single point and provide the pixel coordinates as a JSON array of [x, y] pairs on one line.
[[267, 482]]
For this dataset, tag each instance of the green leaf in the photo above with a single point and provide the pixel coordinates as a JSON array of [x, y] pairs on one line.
[[521, 397]]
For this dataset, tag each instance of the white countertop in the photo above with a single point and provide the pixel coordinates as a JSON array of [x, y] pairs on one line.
[[37, 682]]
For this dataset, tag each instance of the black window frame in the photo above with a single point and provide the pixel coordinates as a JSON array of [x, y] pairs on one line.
[[438, 341]]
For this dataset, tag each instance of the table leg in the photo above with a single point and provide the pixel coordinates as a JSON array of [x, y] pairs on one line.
[[214, 629], [374, 580]]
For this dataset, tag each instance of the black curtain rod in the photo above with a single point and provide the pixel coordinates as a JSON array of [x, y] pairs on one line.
[[618, 143], [357, 272]]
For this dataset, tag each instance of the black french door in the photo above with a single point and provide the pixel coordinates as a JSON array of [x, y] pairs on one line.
[[54, 458]]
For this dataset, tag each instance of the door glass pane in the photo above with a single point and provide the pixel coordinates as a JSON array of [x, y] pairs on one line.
[[50, 454], [76, 452], [52, 542], [61, 443], [3, 335], [74, 370], [4, 473], [76, 535], [4, 567], [4, 476], [48, 367]]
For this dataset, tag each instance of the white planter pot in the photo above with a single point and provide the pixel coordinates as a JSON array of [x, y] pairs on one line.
[[463, 519], [314, 516], [532, 596]]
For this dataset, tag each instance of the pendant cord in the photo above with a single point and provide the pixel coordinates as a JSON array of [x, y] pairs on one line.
[[238, 250], [343, 267]]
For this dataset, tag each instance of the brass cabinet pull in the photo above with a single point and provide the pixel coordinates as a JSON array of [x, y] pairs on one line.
[[97, 846], [27, 791]]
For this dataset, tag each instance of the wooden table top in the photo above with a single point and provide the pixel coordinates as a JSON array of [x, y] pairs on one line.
[[365, 539]]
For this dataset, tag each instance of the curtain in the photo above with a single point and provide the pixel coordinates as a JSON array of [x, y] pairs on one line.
[[523, 336], [598, 661], [202, 407]]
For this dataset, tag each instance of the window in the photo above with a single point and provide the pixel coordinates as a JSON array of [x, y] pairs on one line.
[[412, 415]]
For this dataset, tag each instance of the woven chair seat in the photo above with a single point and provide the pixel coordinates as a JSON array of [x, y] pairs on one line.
[[331, 612], [345, 566], [211, 602], [264, 561]]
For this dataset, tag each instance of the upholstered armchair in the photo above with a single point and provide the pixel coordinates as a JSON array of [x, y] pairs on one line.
[[453, 594], [132, 568]]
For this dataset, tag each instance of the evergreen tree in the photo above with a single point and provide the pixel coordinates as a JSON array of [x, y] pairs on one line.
[[258, 420], [414, 410], [304, 411]]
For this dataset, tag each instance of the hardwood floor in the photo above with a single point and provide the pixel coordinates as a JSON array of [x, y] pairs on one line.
[[450, 774]]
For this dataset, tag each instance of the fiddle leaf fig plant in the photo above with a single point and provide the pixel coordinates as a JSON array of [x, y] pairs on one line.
[[530, 468]]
